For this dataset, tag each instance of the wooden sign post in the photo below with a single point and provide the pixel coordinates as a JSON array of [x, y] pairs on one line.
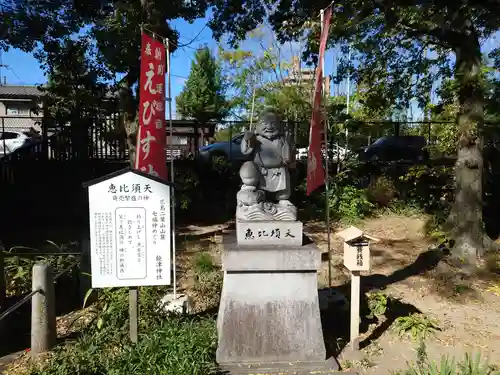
[[130, 234], [356, 259]]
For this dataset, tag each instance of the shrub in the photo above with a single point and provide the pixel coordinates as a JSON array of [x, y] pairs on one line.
[[18, 268], [431, 187], [110, 312], [348, 202], [203, 262], [177, 346], [381, 191], [207, 288]]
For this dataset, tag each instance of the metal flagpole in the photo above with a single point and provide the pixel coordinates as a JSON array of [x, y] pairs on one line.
[[327, 160], [172, 173], [348, 98]]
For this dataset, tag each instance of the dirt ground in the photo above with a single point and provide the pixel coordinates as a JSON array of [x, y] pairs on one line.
[[406, 268]]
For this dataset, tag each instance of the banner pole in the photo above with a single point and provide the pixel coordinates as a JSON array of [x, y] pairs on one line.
[[172, 172], [327, 160]]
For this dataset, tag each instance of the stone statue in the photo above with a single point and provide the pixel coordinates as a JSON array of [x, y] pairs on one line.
[[266, 188]]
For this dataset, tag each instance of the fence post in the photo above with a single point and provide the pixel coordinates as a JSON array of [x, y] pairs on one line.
[[43, 310]]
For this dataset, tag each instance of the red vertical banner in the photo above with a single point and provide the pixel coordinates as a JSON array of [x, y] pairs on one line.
[[315, 169], [151, 135]]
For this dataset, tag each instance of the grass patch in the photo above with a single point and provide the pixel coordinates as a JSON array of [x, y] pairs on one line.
[[176, 346], [203, 262], [168, 344], [449, 366]]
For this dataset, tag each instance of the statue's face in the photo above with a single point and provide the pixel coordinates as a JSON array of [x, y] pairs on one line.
[[269, 126]]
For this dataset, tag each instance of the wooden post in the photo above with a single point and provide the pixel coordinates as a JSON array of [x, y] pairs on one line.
[[85, 272], [355, 302], [43, 310], [356, 259], [133, 311]]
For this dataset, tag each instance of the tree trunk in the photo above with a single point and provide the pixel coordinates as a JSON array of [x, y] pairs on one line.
[[466, 216], [128, 107]]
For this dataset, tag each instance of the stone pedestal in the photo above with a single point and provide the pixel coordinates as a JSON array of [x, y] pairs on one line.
[[269, 316]]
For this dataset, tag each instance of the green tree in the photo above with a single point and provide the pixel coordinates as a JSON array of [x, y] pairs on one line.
[[265, 74], [111, 28], [203, 97], [79, 96], [389, 38]]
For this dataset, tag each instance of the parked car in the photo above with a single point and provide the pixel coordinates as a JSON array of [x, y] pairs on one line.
[[11, 141], [229, 150], [408, 148]]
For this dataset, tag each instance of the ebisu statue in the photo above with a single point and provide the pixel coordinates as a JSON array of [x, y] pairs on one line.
[[266, 189]]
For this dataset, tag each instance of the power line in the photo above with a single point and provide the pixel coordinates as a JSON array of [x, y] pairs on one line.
[[15, 74], [177, 76], [188, 45], [195, 38]]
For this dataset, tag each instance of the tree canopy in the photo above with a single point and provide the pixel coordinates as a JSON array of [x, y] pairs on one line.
[[109, 29], [402, 47], [203, 97]]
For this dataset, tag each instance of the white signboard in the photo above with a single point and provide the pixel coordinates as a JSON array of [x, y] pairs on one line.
[[357, 257], [356, 249], [130, 230]]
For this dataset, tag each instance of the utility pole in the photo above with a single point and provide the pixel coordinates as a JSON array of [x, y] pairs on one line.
[[2, 66]]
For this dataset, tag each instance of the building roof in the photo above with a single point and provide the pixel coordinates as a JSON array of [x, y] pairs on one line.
[[20, 91]]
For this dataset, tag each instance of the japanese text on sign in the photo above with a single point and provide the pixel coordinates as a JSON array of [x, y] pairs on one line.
[[132, 192], [151, 140], [359, 256], [272, 233], [132, 247], [130, 236], [104, 241]]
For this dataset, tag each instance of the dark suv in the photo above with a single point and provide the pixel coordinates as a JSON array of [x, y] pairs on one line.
[[407, 148]]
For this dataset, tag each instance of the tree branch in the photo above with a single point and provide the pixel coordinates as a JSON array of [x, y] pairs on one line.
[[441, 35]]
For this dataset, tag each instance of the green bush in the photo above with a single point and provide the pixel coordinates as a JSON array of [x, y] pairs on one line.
[[381, 191], [207, 288], [177, 346], [203, 262], [431, 187], [348, 203], [18, 268]]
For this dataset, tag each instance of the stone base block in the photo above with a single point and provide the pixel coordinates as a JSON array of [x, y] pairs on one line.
[[295, 368], [269, 310], [269, 233]]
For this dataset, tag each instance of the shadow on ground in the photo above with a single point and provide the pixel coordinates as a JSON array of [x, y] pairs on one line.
[[336, 319]]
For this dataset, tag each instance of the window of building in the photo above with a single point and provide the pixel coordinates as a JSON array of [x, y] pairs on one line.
[[16, 111]]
